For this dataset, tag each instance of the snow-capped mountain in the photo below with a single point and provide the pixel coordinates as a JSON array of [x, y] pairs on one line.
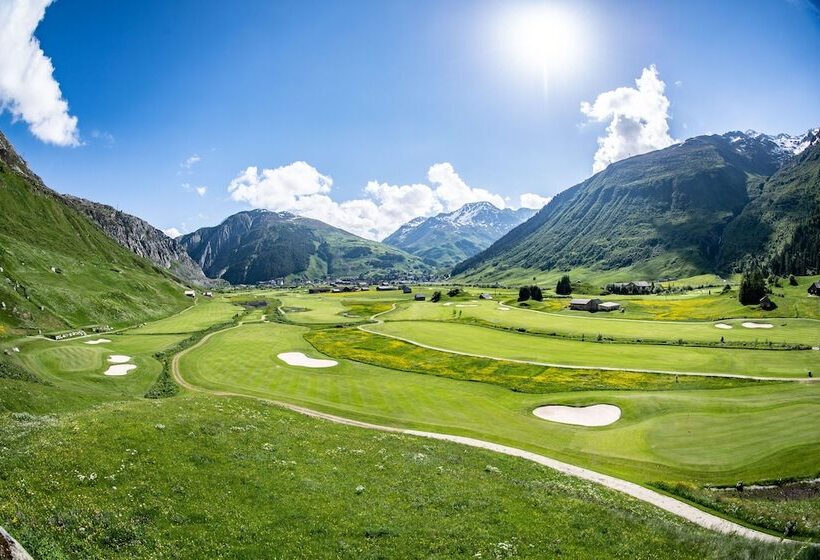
[[780, 147], [448, 238]]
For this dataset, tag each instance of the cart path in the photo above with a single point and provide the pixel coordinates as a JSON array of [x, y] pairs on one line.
[[662, 501]]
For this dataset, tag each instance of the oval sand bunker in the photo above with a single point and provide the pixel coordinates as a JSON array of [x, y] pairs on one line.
[[757, 325], [98, 341], [594, 415], [299, 359], [722, 326], [119, 369], [118, 359]]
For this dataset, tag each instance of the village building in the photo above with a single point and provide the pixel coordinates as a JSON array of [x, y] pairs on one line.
[[419, 297], [767, 304], [584, 304], [609, 306], [406, 289], [485, 296], [814, 288], [208, 294], [190, 293], [385, 288]]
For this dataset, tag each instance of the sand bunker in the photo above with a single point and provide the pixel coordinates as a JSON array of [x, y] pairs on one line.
[[299, 359], [98, 341], [503, 308], [722, 326], [118, 359], [466, 305], [594, 415], [120, 369], [757, 325]]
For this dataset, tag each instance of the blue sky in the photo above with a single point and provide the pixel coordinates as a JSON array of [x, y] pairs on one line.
[[379, 93]]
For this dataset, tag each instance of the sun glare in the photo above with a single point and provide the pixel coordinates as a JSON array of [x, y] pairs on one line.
[[538, 40]]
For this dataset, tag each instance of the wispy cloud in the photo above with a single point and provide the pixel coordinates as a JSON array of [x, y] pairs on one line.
[[28, 89], [200, 190], [190, 161], [638, 119], [172, 232]]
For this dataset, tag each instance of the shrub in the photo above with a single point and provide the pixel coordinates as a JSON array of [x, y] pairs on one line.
[[454, 292], [792, 280], [435, 297]]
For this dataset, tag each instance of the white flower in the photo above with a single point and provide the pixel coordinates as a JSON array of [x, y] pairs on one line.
[[359, 489]]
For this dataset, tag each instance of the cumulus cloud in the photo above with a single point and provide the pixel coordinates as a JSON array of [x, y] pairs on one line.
[[201, 190], [638, 119], [303, 190], [172, 232], [28, 89], [532, 200]]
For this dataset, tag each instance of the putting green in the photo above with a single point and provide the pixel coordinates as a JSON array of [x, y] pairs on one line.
[[654, 439], [510, 345], [612, 325]]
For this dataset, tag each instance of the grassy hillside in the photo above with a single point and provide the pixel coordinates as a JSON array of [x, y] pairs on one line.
[[258, 246], [781, 225], [59, 270], [668, 213]]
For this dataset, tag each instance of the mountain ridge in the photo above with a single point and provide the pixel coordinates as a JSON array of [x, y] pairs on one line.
[[450, 237]]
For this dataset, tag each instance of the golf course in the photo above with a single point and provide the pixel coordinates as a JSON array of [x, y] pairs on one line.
[[633, 424]]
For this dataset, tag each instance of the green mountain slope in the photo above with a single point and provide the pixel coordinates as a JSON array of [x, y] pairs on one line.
[[260, 246], [781, 224], [664, 213], [59, 270], [446, 239]]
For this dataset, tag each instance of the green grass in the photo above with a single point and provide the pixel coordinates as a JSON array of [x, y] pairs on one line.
[[509, 345], [200, 476], [99, 282], [712, 437], [612, 325], [195, 318], [775, 508], [355, 344]]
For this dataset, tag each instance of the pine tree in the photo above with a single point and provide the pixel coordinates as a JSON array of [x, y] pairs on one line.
[[536, 294], [752, 286], [564, 287], [524, 293]]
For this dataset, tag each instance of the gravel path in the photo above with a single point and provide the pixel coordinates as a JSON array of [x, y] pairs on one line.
[[667, 503]]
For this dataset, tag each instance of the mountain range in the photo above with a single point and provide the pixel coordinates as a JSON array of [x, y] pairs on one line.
[[260, 246], [446, 239], [705, 205]]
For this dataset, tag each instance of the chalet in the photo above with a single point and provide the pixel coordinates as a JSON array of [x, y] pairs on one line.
[[814, 288], [190, 293], [385, 288], [208, 294], [419, 297], [609, 306], [406, 289], [485, 296], [766, 304], [318, 290], [583, 304]]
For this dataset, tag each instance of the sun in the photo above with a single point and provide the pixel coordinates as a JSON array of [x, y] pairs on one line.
[[538, 39]]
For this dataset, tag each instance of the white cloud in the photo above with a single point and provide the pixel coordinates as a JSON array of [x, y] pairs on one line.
[[201, 190], [103, 136], [190, 162], [28, 89], [638, 119], [172, 232], [532, 200], [301, 189]]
